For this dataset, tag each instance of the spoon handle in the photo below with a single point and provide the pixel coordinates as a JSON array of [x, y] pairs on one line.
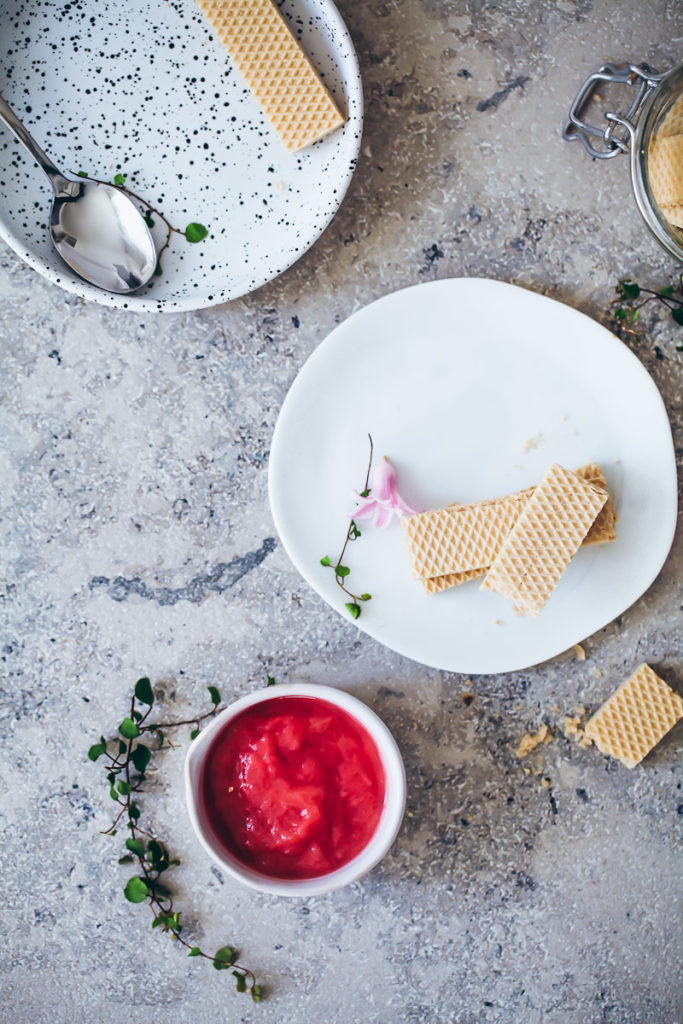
[[10, 119]]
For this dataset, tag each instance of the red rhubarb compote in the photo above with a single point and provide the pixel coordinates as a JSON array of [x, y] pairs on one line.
[[293, 787]]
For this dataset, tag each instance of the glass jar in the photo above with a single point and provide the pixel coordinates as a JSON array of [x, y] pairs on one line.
[[633, 132]]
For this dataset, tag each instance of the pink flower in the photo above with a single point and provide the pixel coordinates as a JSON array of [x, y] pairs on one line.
[[382, 501]]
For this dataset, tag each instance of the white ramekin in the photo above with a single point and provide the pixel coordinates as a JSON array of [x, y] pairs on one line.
[[389, 823]]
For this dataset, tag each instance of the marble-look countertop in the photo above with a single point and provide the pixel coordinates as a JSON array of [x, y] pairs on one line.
[[137, 538]]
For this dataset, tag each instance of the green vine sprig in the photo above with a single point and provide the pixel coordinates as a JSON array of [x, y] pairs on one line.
[[630, 298], [193, 233], [125, 770], [341, 571]]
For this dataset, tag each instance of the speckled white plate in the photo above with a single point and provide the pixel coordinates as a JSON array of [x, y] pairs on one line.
[[143, 87], [472, 388]]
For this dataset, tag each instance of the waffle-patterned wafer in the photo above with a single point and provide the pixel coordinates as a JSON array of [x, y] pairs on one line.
[[674, 214], [544, 539], [461, 537], [275, 68], [665, 170], [435, 584], [636, 717], [603, 531], [672, 124]]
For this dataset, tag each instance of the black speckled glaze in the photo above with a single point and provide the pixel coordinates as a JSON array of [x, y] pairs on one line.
[[145, 88]]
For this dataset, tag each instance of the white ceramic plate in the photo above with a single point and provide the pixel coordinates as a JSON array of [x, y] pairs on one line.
[[472, 388], [144, 88]]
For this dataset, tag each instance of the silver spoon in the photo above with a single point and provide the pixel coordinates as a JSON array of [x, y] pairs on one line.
[[96, 228]]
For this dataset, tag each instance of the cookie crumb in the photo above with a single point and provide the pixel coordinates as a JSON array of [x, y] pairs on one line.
[[531, 443], [531, 740], [580, 652], [573, 728]]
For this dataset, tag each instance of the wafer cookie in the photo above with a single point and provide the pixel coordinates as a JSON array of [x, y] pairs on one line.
[[636, 717], [276, 69], [674, 214], [665, 170], [672, 123], [602, 531], [461, 537], [544, 539]]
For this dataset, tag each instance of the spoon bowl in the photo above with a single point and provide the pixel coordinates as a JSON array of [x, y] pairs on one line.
[[98, 230]]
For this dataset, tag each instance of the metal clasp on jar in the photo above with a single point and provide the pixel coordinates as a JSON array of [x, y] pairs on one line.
[[642, 75]]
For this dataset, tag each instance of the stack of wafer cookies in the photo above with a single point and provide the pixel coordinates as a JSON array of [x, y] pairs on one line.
[[521, 543], [665, 164], [276, 69]]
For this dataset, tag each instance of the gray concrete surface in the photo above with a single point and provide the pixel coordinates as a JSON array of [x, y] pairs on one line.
[[137, 447]]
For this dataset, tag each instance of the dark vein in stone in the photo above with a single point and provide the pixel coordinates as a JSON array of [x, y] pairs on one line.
[[222, 577], [494, 101]]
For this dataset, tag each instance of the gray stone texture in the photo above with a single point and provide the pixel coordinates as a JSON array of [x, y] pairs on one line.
[[137, 538]]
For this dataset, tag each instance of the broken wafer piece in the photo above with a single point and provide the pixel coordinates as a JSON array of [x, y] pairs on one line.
[[603, 531], [276, 69], [636, 717], [545, 538]]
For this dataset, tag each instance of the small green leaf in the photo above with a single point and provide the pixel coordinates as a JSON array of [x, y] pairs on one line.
[[240, 982], [630, 289], [97, 750], [161, 741], [679, 348], [353, 609], [126, 859], [325, 560], [366, 597], [136, 847], [129, 729], [81, 174], [365, 493], [111, 777], [113, 794], [124, 787], [354, 532], [137, 716], [144, 692], [224, 958], [195, 232], [119, 179], [140, 757], [256, 993], [134, 811], [620, 314], [122, 747], [634, 315], [194, 734], [214, 694], [667, 292], [136, 890], [195, 951], [157, 855], [157, 270], [270, 680], [342, 570], [677, 315]]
